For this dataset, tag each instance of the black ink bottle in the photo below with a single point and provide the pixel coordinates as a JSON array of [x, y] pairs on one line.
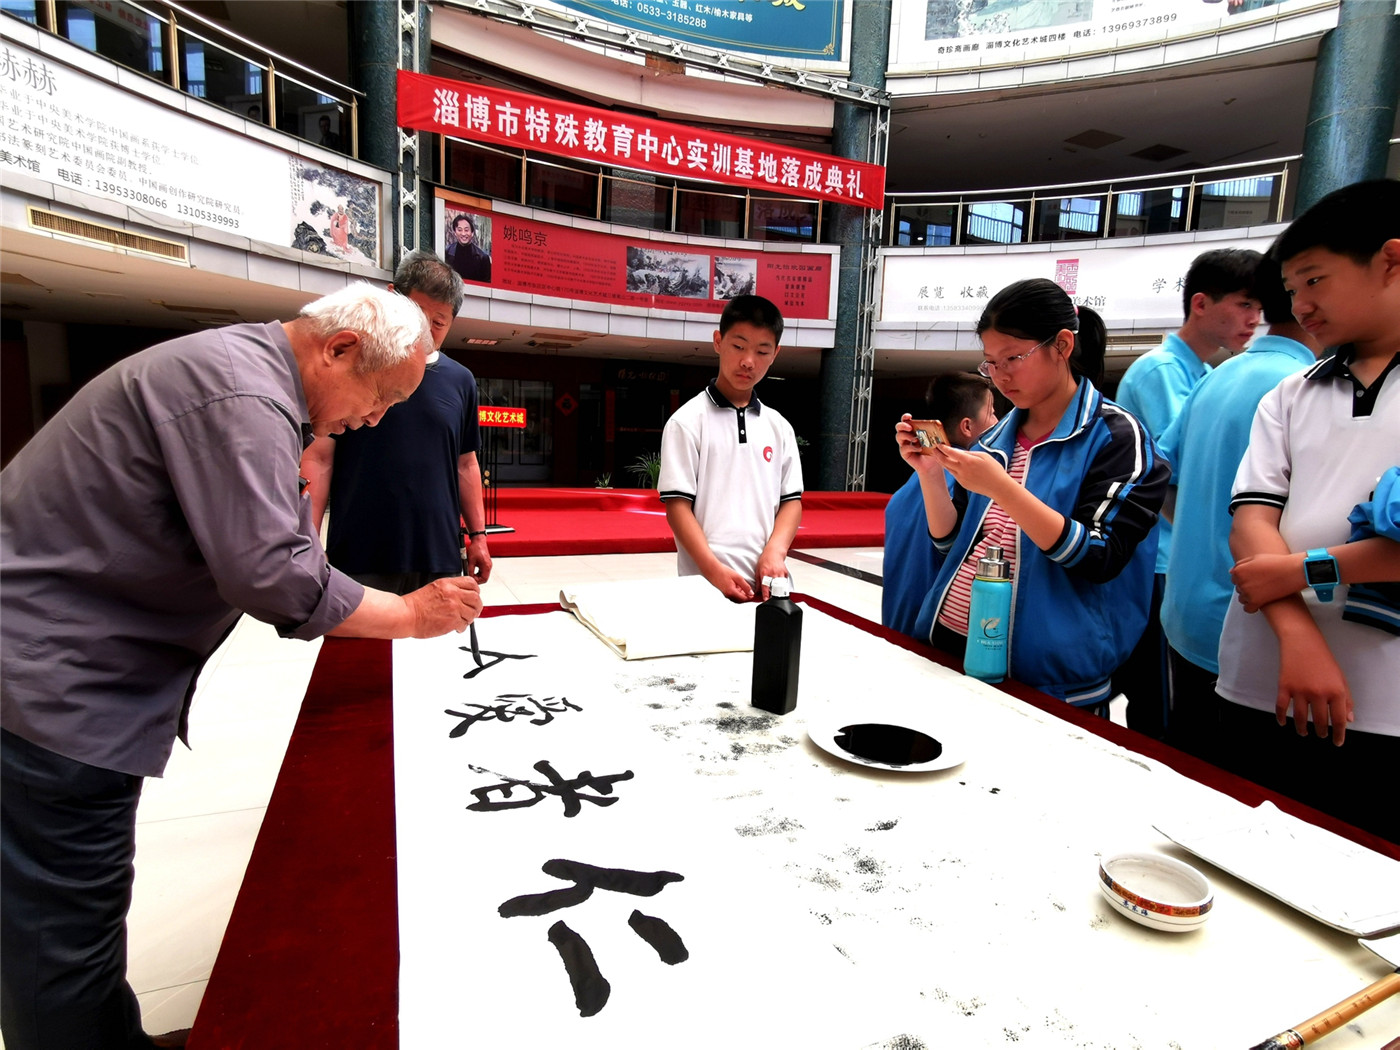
[[777, 649]]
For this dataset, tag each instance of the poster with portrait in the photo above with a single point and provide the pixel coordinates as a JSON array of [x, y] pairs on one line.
[[326, 126], [495, 245], [467, 242]]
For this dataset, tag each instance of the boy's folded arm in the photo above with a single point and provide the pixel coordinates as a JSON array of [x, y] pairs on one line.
[[1263, 578], [1310, 681], [1375, 559], [1254, 530]]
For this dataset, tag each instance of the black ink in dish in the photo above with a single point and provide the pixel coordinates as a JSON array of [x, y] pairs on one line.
[[889, 745]]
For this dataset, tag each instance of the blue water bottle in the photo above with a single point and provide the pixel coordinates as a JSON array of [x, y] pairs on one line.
[[988, 618]]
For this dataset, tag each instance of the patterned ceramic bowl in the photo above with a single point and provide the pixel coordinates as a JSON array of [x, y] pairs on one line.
[[1156, 890]]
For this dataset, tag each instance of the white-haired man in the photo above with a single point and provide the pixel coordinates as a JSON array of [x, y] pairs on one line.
[[159, 504]]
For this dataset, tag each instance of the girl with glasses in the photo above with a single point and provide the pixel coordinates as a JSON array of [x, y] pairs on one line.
[[1068, 485]]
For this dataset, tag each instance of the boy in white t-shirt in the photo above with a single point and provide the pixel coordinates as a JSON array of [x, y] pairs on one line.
[[730, 475], [1291, 652]]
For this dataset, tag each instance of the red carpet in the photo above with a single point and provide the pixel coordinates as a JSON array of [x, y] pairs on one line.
[[633, 521]]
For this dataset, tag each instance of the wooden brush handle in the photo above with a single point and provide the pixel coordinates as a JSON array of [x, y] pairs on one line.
[[1333, 1017]]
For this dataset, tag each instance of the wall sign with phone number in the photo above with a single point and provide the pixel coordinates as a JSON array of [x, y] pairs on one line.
[[492, 416]]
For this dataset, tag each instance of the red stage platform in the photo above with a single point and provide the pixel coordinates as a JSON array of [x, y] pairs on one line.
[[633, 521]]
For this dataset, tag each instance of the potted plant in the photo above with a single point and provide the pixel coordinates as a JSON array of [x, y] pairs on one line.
[[647, 468]]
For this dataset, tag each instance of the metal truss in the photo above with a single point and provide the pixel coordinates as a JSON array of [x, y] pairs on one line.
[[408, 52], [863, 373], [581, 27]]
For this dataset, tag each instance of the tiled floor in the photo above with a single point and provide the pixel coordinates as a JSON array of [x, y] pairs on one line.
[[196, 826]]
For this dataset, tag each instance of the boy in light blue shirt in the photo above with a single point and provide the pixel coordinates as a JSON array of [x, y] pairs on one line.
[[1220, 314]]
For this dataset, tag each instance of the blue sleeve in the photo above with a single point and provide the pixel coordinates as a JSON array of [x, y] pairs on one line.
[[1119, 499], [1380, 515], [1170, 444], [1156, 394]]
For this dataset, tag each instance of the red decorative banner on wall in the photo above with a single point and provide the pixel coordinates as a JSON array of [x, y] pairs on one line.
[[496, 416], [600, 136], [542, 258]]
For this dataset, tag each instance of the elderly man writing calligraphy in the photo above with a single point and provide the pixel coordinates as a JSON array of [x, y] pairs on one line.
[[135, 527]]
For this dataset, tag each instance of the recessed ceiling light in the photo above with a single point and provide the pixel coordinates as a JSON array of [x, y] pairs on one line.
[[482, 342]]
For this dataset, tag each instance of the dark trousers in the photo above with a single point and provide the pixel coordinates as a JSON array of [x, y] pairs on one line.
[[1355, 782], [398, 582], [67, 846], [1194, 726], [1142, 677]]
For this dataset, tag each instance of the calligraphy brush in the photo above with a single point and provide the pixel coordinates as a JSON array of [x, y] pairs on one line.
[[466, 571], [1333, 1017]]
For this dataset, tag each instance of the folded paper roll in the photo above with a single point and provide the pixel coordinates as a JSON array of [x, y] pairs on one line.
[[676, 616]]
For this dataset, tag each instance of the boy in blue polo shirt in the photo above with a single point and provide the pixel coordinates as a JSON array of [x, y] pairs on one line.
[[1311, 705], [1221, 313]]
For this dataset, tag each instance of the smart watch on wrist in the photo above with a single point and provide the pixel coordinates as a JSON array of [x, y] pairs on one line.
[[1322, 573]]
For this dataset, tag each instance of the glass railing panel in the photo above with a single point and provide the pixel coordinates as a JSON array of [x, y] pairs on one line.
[[1069, 218], [482, 171], [1138, 213], [25, 10], [782, 219], [308, 114], [994, 222], [222, 77], [924, 225], [561, 189], [710, 214], [635, 202], [123, 33], [1234, 203]]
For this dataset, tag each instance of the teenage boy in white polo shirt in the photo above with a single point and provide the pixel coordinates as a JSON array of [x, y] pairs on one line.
[[1291, 652], [730, 476]]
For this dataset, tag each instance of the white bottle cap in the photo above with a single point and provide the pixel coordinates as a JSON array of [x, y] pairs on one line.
[[781, 587]]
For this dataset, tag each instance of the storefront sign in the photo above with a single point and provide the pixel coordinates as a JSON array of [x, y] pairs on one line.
[[79, 131], [497, 416], [951, 34], [797, 28], [602, 136], [1125, 285], [543, 258]]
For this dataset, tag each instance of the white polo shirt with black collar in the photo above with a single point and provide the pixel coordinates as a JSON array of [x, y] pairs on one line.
[[1319, 444], [736, 466]]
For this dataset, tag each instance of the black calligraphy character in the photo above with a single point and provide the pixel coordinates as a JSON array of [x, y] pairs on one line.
[[499, 658], [591, 988], [569, 791], [505, 711]]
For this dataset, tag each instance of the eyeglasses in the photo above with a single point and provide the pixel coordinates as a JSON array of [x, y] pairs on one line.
[[1009, 364]]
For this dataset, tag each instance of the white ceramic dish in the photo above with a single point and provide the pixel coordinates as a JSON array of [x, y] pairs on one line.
[[1155, 890], [879, 740]]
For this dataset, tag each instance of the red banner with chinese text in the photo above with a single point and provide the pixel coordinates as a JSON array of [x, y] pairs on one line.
[[542, 258], [600, 136]]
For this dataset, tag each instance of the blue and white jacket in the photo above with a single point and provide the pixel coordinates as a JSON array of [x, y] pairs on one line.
[[1376, 604], [1078, 609]]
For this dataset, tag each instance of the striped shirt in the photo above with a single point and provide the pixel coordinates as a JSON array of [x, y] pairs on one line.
[[998, 530]]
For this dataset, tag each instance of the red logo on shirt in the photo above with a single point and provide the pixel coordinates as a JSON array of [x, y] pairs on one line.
[[768, 453]]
